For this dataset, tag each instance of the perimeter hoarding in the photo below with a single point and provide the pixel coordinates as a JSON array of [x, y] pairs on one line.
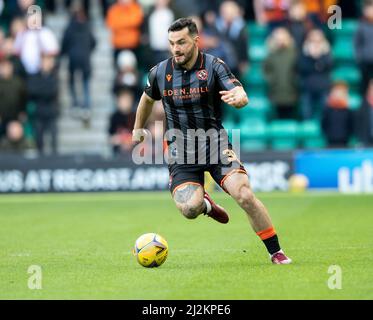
[[269, 171], [348, 171]]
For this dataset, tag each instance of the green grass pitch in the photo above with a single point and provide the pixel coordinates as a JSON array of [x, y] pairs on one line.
[[83, 243]]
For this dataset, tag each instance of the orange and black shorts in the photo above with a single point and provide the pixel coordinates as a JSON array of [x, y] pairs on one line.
[[195, 173]]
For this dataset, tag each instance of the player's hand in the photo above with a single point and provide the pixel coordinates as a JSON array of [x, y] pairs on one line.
[[236, 97], [138, 135]]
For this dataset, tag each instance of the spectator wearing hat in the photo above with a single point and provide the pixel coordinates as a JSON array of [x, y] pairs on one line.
[[127, 76]]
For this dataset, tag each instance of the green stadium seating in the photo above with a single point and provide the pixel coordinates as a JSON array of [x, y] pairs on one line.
[[256, 31], [259, 107], [254, 77], [343, 50], [355, 101], [311, 134], [253, 134], [348, 29], [257, 49], [348, 73], [284, 134]]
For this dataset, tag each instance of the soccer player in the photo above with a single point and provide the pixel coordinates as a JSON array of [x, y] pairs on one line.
[[191, 85]]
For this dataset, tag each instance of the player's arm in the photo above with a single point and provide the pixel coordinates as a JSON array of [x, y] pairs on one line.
[[232, 92], [143, 112], [144, 109]]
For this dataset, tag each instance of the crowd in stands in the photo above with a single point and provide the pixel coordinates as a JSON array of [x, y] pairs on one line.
[[297, 67]]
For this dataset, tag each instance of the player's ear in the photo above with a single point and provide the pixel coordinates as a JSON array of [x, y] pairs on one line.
[[196, 39]]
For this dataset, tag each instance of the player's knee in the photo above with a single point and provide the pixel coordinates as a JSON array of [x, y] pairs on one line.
[[192, 210], [245, 196]]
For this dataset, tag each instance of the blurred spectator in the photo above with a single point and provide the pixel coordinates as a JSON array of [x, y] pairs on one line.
[[366, 117], [272, 13], [364, 45], [83, 4], [122, 122], [298, 23], [7, 52], [31, 44], [315, 65], [78, 43], [211, 40], [127, 75], [280, 73], [14, 140], [18, 8], [337, 119], [159, 20], [232, 28], [124, 19], [13, 96], [17, 26], [43, 92]]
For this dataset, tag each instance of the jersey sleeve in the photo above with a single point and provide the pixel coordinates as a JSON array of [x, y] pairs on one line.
[[151, 87], [225, 77]]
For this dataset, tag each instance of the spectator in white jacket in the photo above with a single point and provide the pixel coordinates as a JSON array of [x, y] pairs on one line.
[[32, 43]]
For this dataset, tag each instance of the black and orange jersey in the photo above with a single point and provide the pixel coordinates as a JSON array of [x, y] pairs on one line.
[[191, 98]]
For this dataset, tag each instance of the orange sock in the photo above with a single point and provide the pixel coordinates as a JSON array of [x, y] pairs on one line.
[[267, 233]]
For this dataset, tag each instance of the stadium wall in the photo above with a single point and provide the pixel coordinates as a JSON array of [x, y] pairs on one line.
[[269, 171], [346, 171]]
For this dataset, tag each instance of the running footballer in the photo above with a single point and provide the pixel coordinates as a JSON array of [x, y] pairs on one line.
[[191, 85]]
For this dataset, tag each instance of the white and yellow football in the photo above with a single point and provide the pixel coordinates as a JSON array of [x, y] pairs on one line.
[[151, 250]]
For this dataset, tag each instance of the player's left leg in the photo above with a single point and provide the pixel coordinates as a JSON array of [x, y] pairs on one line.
[[238, 186]]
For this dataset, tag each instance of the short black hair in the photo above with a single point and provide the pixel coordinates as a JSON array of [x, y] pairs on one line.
[[182, 23]]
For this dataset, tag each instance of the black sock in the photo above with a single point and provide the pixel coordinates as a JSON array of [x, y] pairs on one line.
[[272, 244]]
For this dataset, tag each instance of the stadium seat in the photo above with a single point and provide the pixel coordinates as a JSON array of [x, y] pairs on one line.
[[257, 49], [256, 31], [253, 134], [343, 50], [258, 108], [348, 29], [284, 134], [355, 101], [348, 73], [254, 77], [311, 134]]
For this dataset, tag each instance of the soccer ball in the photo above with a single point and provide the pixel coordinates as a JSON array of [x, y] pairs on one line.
[[151, 250]]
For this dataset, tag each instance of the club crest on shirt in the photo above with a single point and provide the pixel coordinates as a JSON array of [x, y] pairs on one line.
[[202, 74], [168, 77]]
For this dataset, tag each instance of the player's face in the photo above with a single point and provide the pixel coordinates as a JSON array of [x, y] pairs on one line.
[[182, 45]]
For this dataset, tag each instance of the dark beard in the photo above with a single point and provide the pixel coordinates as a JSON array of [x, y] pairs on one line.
[[188, 57]]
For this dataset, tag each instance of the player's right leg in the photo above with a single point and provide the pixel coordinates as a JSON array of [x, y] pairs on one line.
[[189, 199], [186, 186]]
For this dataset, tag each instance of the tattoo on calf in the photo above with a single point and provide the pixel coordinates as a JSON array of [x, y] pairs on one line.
[[185, 194]]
